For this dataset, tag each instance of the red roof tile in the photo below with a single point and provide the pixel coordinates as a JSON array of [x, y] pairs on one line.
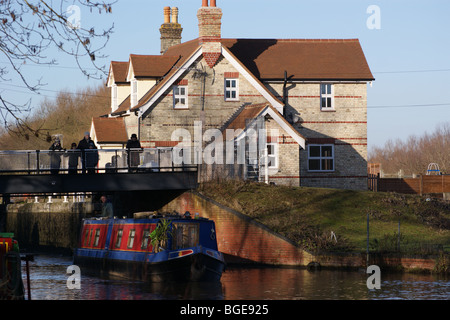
[[303, 59], [152, 66], [119, 70], [110, 130]]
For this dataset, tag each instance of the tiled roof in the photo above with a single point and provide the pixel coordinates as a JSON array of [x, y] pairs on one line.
[[123, 107], [109, 130], [303, 59], [119, 70], [248, 113], [152, 66]]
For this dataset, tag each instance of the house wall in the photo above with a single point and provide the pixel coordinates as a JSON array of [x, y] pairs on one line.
[[288, 169], [131, 124], [144, 85], [123, 91], [345, 128]]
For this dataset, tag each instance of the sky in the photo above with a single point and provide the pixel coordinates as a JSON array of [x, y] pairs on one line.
[[406, 44]]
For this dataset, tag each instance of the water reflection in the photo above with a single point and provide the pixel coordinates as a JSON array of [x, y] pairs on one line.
[[49, 282]]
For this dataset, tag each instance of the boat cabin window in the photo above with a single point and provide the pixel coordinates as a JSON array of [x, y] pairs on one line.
[[131, 238], [145, 239], [97, 237], [86, 237], [90, 237], [119, 237], [185, 235]]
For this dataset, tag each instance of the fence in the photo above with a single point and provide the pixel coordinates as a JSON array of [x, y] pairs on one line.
[[436, 184]]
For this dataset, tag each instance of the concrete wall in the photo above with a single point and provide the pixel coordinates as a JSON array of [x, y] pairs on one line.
[[47, 224]]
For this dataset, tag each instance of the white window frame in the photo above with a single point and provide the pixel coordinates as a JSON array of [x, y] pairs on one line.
[[131, 238], [274, 155], [326, 96], [231, 89], [320, 158], [134, 92], [180, 96]]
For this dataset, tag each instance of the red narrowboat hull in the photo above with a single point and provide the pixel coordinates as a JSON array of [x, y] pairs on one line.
[[122, 248]]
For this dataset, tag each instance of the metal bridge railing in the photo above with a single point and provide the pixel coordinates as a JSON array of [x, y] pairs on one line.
[[90, 161]]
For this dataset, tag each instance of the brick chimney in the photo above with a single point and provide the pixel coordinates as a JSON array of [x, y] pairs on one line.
[[210, 24], [170, 29]]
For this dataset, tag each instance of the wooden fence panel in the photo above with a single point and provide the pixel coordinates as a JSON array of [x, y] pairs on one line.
[[421, 185]]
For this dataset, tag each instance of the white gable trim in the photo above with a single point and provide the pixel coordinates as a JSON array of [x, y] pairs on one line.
[[294, 134], [170, 81], [278, 118], [261, 89], [111, 79], [130, 72]]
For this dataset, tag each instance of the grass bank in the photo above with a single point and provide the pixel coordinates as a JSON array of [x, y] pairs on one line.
[[311, 216]]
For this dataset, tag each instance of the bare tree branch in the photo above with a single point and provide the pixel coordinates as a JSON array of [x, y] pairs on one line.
[[30, 28]]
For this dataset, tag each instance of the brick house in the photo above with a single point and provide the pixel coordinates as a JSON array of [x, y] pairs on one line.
[[311, 92]]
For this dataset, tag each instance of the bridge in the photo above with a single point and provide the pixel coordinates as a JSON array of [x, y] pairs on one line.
[[94, 170]]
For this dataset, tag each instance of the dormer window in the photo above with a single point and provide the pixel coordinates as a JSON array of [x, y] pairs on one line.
[[180, 97], [134, 92]]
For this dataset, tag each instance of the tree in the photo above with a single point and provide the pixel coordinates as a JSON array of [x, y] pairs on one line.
[[29, 28], [69, 114], [413, 155]]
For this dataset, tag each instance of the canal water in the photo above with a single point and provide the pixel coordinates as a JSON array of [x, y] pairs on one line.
[[48, 279]]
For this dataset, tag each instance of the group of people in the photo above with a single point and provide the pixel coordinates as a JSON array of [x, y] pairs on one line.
[[87, 150]]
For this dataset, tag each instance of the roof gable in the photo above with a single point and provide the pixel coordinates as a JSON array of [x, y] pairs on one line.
[[251, 113], [153, 95], [117, 72]]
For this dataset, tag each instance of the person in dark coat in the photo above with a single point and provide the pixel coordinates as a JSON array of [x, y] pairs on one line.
[[91, 158], [73, 155], [133, 155], [55, 156], [84, 145]]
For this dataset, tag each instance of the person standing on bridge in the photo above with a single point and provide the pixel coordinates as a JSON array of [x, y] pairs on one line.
[[133, 154], [73, 155], [91, 158], [55, 156], [84, 145]]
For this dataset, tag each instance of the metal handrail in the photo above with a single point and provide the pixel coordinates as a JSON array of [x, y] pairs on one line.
[[78, 161]]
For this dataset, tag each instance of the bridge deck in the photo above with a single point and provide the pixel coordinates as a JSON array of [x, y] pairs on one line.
[[103, 182], [27, 172]]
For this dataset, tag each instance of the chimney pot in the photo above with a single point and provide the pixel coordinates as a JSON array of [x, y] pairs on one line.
[[170, 30], [205, 3], [213, 3], [174, 15], [166, 14]]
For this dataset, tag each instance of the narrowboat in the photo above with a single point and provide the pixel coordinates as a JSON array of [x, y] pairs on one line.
[[11, 284], [150, 248]]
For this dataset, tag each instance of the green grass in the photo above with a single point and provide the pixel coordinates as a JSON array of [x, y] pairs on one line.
[[307, 216]]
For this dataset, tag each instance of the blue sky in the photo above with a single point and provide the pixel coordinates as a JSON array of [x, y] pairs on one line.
[[409, 55]]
